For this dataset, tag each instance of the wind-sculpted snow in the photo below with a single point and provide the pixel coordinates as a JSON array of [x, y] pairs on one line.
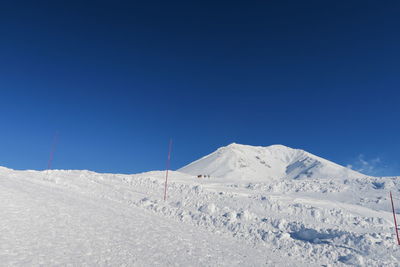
[[307, 221]]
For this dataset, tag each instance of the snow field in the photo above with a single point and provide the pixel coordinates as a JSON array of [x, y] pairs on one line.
[[273, 206], [79, 218]]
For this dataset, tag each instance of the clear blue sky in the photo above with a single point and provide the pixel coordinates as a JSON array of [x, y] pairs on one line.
[[117, 79]]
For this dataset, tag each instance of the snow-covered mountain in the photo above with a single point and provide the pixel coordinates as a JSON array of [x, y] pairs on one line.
[[265, 163], [257, 209]]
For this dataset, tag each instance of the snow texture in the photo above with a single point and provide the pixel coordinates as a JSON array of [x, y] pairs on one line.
[[261, 206]]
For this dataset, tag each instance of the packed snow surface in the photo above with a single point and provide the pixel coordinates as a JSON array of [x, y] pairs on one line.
[[252, 206]]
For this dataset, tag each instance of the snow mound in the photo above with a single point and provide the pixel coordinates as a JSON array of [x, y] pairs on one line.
[[261, 163]]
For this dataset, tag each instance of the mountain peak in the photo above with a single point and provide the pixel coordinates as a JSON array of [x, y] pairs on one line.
[[274, 146], [270, 162]]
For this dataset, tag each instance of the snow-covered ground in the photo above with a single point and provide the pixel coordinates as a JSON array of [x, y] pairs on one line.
[[272, 206]]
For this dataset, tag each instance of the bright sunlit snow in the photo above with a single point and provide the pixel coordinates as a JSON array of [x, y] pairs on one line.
[[252, 206]]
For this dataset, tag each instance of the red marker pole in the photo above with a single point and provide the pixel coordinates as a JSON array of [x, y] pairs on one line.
[[394, 218], [166, 175]]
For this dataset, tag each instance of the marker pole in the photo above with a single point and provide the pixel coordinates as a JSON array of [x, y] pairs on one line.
[[394, 218], [166, 175]]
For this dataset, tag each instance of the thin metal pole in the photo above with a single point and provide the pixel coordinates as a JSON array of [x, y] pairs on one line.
[[394, 218], [166, 175]]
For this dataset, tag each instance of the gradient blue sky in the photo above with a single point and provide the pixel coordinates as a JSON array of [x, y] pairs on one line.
[[117, 79]]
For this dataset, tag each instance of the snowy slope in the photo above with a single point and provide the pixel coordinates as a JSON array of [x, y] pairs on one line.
[[80, 218], [265, 163], [63, 217]]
